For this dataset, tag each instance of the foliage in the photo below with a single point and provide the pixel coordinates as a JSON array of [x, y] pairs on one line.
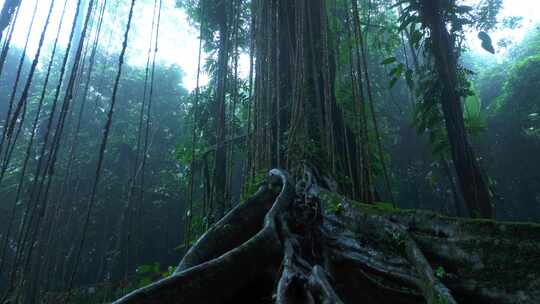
[[253, 183], [146, 274], [520, 101], [440, 272], [511, 91], [474, 116]]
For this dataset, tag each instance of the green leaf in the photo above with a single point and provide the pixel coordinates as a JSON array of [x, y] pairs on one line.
[[393, 82], [389, 60], [409, 78], [440, 272], [144, 269], [487, 43], [397, 71]]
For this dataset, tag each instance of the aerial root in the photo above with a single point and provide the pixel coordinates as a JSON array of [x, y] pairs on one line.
[[303, 279]]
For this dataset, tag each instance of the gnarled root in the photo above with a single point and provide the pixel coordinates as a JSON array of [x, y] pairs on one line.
[[303, 279], [214, 270], [280, 247]]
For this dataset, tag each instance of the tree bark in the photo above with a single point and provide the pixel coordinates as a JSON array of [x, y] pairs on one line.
[[220, 160]]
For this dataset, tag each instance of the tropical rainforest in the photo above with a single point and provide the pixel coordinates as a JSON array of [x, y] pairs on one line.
[[327, 151]]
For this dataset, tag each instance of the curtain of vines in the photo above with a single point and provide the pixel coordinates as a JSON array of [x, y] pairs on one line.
[[296, 116]]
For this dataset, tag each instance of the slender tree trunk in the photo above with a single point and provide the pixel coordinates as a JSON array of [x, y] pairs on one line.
[[220, 161], [6, 15], [473, 185]]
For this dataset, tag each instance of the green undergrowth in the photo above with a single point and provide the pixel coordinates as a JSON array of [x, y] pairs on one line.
[[252, 184]]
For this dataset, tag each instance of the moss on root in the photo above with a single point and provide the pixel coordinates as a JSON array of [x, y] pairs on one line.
[[494, 256]]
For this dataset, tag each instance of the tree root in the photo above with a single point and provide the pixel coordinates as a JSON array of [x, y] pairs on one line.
[[282, 235]]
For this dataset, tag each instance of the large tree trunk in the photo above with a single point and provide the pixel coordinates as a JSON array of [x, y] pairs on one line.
[[305, 244], [296, 110], [471, 181]]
